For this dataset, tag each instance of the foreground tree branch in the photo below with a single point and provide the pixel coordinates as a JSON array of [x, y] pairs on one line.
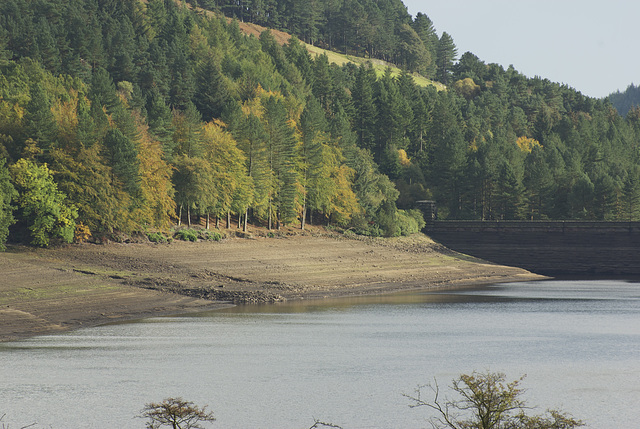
[[177, 414], [486, 401]]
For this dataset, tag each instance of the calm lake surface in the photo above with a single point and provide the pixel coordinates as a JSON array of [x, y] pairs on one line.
[[343, 361]]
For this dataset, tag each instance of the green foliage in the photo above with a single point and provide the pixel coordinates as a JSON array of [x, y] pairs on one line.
[[113, 98], [157, 237], [7, 194], [41, 206], [410, 221], [122, 154], [210, 235], [176, 413], [627, 100], [487, 401], [186, 235]]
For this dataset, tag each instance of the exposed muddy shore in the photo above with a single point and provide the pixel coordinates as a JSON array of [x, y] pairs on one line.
[[51, 290]]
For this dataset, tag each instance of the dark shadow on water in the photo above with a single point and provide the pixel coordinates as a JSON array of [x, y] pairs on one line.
[[556, 290]]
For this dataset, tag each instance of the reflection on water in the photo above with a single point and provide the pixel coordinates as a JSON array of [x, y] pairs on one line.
[[347, 361]]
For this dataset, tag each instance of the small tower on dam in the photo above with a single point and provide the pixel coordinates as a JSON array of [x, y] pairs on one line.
[[429, 211]]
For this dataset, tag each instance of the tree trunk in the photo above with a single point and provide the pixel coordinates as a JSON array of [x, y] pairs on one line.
[[228, 219], [246, 216], [180, 215], [189, 216], [207, 220], [304, 216]]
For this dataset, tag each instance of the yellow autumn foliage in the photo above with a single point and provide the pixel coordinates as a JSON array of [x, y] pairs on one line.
[[526, 144], [404, 159]]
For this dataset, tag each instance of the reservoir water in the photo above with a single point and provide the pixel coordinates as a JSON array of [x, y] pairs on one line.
[[345, 361]]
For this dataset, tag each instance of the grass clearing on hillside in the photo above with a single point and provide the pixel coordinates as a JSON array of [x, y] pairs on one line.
[[379, 66]]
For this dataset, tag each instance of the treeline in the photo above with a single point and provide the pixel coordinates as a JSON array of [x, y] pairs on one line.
[[627, 100], [110, 121], [119, 115], [381, 29]]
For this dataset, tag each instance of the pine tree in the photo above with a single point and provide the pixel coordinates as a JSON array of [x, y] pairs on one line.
[[448, 154], [212, 94], [7, 194], [283, 161], [365, 115], [122, 155], [446, 54], [423, 26], [41, 126], [313, 126]]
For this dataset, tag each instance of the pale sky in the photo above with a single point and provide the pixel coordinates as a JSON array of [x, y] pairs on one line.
[[590, 45]]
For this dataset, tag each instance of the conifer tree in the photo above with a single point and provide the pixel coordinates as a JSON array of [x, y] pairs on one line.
[[40, 123], [423, 26], [448, 154], [446, 54], [122, 155], [7, 194], [212, 94], [283, 161], [365, 112], [313, 127]]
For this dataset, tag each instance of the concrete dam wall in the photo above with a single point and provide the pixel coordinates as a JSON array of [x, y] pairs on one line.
[[547, 247]]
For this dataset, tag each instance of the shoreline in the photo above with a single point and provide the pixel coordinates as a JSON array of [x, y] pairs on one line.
[[45, 291]]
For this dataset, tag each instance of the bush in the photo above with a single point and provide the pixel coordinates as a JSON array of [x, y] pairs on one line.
[[211, 235], [187, 235], [157, 237], [410, 221], [349, 233]]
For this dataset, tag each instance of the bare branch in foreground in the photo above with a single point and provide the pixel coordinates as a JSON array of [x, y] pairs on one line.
[[486, 401], [319, 424]]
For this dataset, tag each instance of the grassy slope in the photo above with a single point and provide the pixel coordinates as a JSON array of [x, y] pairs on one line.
[[378, 65], [334, 57]]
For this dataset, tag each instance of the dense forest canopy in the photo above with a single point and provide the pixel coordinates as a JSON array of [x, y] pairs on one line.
[[627, 100], [129, 116]]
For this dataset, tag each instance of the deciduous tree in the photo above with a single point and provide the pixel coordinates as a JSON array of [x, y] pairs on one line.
[[41, 205], [176, 413], [487, 401]]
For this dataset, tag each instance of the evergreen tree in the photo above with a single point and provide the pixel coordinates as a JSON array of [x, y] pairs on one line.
[[423, 27], [365, 111], [446, 54], [212, 94], [448, 155], [283, 161], [122, 155], [7, 194], [313, 127], [41, 126]]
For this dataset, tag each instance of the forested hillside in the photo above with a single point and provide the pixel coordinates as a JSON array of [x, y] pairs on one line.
[[380, 29], [128, 116], [627, 100]]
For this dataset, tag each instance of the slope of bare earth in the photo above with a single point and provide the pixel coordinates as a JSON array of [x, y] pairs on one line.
[[44, 291]]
